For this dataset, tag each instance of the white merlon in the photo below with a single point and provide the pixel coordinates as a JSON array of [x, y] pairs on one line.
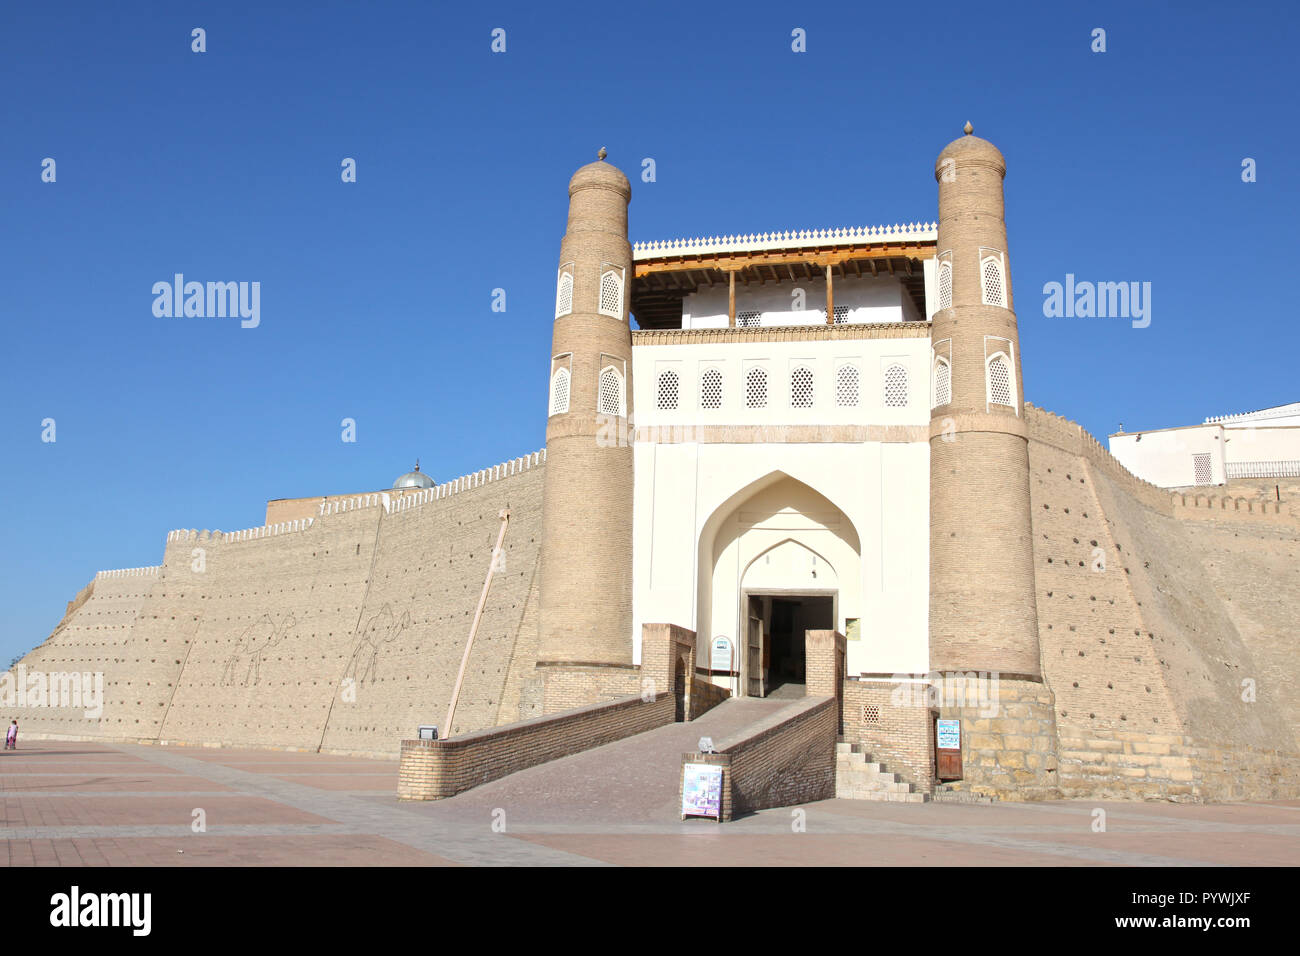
[[128, 572], [912, 231], [1278, 411], [247, 534], [515, 466]]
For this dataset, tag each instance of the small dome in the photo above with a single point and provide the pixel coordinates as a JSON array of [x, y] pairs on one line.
[[414, 479], [600, 175], [973, 150]]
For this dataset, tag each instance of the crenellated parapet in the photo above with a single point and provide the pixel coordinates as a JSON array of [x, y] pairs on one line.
[[1069, 436], [129, 573], [246, 534], [1194, 506], [391, 504], [355, 503], [476, 479]]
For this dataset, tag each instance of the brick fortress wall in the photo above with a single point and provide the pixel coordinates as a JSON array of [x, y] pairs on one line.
[[344, 632], [1150, 620]]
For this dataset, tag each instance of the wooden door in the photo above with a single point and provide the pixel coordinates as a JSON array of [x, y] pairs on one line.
[[756, 651]]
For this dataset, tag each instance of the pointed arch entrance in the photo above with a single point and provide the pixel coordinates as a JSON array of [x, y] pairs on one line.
[[776, 559]]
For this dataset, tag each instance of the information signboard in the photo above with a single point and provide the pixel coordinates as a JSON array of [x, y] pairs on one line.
[[702, 791], [721, 654]]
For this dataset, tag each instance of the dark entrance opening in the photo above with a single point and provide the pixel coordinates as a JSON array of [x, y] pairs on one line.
[[792, 615]]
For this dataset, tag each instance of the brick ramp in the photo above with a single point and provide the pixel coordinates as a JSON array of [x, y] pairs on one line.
[[630, 781]]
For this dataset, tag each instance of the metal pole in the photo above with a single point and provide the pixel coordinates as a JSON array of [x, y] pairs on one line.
[[473, 628]]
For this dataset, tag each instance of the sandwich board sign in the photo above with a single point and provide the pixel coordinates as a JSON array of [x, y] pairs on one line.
[[702, 791]]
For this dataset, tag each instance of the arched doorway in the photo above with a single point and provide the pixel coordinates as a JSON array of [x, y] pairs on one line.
[[776, 560]]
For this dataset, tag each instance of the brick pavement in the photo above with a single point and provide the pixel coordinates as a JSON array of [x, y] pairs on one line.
[[79, 804]]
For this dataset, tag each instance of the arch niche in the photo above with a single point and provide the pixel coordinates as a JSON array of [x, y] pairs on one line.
[[776, 558]]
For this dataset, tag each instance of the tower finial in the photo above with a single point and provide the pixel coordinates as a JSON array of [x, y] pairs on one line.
[[968, 129], [601, 154], [417, 464]]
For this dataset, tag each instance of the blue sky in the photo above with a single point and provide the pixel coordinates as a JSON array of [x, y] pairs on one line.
[[376, 296]]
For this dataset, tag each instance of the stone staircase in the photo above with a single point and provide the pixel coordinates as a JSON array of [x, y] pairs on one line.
[[858, 778]]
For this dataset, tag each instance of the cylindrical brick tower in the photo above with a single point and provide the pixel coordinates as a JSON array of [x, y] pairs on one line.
[[586, 574], [983, 611], [983, 614]]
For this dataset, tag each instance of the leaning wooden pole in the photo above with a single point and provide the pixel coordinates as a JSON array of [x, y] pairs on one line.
[[473, 628]]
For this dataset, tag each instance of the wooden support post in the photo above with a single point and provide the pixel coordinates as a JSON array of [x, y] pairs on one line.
[[830, 297], [473, 628], [731, 301]]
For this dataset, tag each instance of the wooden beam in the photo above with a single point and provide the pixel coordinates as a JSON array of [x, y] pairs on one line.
[[821, 258], [830, 297], [731, 302]]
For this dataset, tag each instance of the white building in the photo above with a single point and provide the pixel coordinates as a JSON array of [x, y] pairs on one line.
[[1259, 444], [782, 463]]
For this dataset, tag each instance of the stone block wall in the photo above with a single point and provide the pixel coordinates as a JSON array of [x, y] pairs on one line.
[[1009, 737]]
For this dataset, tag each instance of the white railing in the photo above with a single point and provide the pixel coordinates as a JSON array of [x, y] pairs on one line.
[[911, 231], [1263, 469]]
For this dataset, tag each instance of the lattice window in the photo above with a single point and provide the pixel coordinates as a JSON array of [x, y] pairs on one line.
[[560, 391], [945, 285], [1201, 468], [667, 392], [870, 714], [847, 379], [756, 388], [1000, 390], [991, 281], [564, 294], [942, 383], [711, 389], [841, 314], [611, 294], [895, 387], [748, 320], [801, 388], [611, 391]]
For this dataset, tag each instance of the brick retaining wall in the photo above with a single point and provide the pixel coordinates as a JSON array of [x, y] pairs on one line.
[[435, 769], [787, 759]]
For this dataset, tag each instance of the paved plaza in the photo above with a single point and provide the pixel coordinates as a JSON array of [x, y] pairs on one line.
[[94, 804]]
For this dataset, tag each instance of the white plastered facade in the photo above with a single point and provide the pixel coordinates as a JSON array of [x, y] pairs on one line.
[[828, 498], [1251, 445]]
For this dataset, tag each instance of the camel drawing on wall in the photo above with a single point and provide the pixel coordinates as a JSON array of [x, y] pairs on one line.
[[382, 629], [256, 640]]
